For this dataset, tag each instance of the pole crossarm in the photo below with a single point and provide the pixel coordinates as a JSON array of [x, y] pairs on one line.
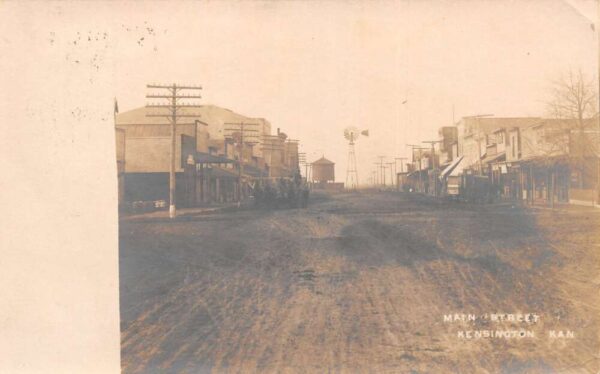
[[184, 87], [168, 106], [169, 115], [240, 127], [159, 96], [158, 115], [171, 123]]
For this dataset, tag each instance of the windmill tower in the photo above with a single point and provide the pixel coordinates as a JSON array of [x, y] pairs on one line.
[[351, 134]]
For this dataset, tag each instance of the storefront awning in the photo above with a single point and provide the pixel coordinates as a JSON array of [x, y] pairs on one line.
[[255, 172], [222, 173], [416, 172], [450, 167], [497, 157], [207, 158]]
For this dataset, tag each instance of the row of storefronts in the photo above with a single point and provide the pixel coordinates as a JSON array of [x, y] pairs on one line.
[[533, 160], [212, 164]]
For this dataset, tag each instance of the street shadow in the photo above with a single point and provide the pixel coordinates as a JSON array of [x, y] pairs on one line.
[[481, 239], [372, 243]]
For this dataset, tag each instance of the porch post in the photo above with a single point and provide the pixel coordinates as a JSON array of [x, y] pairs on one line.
[[553, 182], [533, 190], [520, 189], [218, 189], [531, 195], [202, 186]]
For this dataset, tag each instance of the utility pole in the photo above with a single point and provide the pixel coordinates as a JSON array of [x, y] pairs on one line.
[[420, 149], [306, 164], [390, 165], [383, 167], [238, 132], [376, 172], [381, 171], [434, 168], [477, 117], [172, 111], [302, 161], [401, 163], [272, 144], [401, 169]]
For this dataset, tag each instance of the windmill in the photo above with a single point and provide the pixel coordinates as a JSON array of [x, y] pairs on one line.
[[352, 134]]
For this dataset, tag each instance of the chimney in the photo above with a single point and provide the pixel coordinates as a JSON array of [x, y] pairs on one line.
[[278, 131]]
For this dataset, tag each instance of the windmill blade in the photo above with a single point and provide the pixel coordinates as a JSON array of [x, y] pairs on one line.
[[365, 132], [351, 133]]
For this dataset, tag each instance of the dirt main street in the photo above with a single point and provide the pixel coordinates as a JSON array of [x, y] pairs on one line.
[[361, 283]]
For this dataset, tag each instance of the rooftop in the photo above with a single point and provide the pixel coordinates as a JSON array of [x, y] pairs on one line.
[[213, 116], [323, 161]]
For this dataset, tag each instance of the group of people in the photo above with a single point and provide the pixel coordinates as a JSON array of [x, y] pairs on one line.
[[285, 193]]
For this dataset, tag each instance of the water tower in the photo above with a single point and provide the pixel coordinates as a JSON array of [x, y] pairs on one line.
[[323, 171]]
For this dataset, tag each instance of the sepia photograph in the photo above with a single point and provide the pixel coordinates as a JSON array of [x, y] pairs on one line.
[[314, 186]]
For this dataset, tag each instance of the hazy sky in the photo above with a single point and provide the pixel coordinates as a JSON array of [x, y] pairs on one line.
[[314, 68]]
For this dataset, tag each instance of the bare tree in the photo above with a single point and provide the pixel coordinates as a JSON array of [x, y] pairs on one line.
[[574, 97], [572, 130]]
